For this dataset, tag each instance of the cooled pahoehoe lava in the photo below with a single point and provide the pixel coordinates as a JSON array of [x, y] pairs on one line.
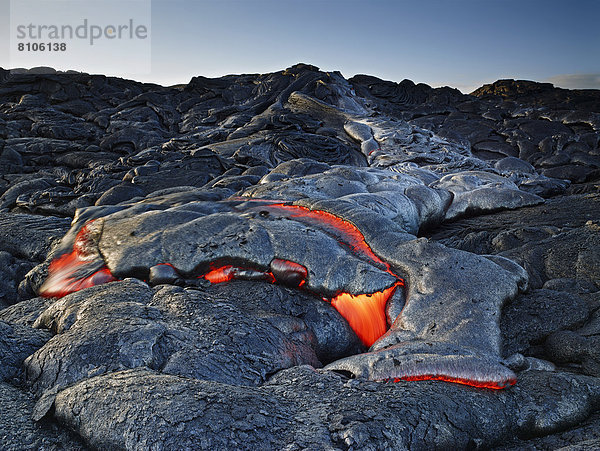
[[365, 312], [253, 227], [273, 242]]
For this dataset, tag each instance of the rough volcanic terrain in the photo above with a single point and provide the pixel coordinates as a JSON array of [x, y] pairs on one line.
[[297, 261]]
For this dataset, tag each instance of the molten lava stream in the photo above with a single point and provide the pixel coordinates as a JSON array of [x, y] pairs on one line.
[[220, 275], [365, 312], [456, 380], [63, 280]]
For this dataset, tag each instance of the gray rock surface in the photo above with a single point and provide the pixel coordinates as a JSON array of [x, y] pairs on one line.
[[301, 408], [19, 431], [534, 316], [182, 332], [30, 237], [17, 342]]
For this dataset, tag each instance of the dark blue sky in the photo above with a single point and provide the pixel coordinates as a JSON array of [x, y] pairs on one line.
[[461, 43]]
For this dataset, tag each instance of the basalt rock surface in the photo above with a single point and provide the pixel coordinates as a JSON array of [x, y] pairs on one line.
[[296, 260]]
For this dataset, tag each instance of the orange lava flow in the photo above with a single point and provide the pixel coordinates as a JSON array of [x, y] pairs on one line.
[[73, 271], [365, 312], [220, 275], [61, 280], [457, 380]]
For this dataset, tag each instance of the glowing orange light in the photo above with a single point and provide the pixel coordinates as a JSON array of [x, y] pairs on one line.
[[220, 275], [61, 282], [67, 273], [365, 313], [458, 380]]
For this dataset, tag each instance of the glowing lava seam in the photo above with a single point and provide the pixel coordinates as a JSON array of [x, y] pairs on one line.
[[456, 380], [350, 234]]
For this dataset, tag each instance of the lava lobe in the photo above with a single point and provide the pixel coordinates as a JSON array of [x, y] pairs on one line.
[[366, 313]]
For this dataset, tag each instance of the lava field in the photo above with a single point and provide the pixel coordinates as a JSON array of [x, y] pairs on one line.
[[296, 260]]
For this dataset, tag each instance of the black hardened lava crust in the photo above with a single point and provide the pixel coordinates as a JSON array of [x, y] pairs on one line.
[[295, 260]]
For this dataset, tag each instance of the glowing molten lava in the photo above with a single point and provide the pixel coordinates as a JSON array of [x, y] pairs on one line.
[[83, 267], [67, 275], [365, 312], [458, 380], [79, 269], [220, 275]]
